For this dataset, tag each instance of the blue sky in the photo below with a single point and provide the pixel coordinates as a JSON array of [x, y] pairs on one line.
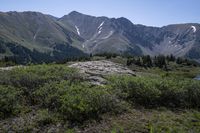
[[147, 12]]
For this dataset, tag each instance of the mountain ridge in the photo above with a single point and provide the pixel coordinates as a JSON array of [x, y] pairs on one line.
[[75, 11], [44, 33]]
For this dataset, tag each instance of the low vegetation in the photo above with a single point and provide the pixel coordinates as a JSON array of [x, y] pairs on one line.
[[77, 101], [158, 92], [53, 97]]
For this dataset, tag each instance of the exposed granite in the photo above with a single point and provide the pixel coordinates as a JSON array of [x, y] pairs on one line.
[[96, 70]]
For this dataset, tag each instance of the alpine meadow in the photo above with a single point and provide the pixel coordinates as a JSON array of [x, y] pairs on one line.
[[99, 66]]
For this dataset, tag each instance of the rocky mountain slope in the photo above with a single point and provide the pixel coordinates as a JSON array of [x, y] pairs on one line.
[[44, 37], [119, 35]]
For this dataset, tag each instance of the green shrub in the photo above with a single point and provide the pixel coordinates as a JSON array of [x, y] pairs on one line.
[[138, 91], [193, 94], [77, 102], [48, 96], [83, 102], [30, 78], [9, 101], [34, 76], [158, 91], [44, 117]]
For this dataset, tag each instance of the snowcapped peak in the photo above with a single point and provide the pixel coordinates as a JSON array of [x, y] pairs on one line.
[[194, 28], [77, 29]]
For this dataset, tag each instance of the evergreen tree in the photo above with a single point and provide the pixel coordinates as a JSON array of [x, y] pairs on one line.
[[138, 62], [160, 61], [179, 60], [172, 58], [147, 62]]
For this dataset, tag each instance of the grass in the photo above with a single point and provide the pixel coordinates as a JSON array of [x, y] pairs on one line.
[[150, 121]]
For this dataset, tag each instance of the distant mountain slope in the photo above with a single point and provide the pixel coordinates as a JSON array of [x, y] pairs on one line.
[[35, 32], [102, 34], [119, 35], [76, 34]]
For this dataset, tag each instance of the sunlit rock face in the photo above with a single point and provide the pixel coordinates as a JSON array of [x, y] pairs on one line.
[[96, 70]]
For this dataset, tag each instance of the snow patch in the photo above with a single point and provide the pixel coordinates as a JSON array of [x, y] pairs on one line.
[[99, 31], [77, 29], [101, 25], [110, 34], [100, 28], [34, 37], [194, 28]]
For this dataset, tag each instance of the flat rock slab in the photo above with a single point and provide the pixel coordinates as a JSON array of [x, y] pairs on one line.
[[9, 68], [96, 70]]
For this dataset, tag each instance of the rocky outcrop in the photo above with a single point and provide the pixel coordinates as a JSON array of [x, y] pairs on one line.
[[9, 68], [95, 71]]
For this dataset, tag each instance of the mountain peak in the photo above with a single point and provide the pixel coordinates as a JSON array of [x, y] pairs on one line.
[[75, 13], [123, 19]]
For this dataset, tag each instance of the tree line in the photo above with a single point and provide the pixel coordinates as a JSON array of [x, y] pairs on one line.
[[160, 61]]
